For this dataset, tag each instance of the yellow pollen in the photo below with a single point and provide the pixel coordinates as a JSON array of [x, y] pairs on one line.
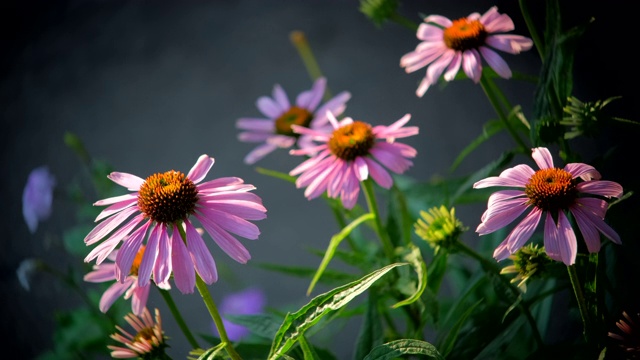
[[294, 116], [145, 334], [465, 34], [168, 197], [551, 189], [352, 140], [136, 261]]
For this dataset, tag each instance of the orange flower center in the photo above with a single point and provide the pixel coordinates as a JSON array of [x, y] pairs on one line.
[[145, 335], [352, 140], [465, 34], [167, 198], [551, 189], [136, 261], [294, 116]]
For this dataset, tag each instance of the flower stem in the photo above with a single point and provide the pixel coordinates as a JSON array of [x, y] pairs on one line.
[[299, 40], [387, 246], [211, 306], [176, 314], [493, 267], [490, 91], [401, 20], [582, 304], [217, 319], [532, 29]]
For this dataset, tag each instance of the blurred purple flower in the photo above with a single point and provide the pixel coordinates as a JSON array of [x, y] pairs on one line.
[[247, 302], [37, 197]]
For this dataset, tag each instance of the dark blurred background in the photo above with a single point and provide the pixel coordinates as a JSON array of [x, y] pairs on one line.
[[151, 85]]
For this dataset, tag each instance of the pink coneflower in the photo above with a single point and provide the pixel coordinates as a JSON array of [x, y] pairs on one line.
[[349, 155], [148, 342], [627, 335], [163, 206], [275, 131], [550, 191], [446, 45], [106, 272]]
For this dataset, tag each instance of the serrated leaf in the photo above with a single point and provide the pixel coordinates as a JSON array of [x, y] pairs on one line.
[[394, 349], [295, 324], [333, 245]]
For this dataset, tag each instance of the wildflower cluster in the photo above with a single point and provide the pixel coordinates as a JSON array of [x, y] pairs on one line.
[[421, 270]]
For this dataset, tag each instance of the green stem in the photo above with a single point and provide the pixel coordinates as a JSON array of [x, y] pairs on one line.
[[490, 91], [582, 304], [217, 319], [176, 314], [369, 193], [493, 267], [401, 20], [299, 40], [338, 211], [211, 306], [532, 29]]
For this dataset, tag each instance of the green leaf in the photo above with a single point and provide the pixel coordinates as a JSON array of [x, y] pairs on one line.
[[394, 349], [371, 333], [452, 335], [488, 130], [414, 257], [399, 221], [484, 172], [295, 324], [333, 244], [308, 352], [437, 270], [212, 353], [556, 77], [264, 325]]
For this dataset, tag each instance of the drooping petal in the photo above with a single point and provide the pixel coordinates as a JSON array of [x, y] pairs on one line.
[[551, 245], [523, 231], [567, 242], [225, 241], [139, 299], [588, 230], [379, 174], [598, 222], [113, 293], [163, 266], [128, 252], [496, 62], [501, 214], [184, 274], [201, 256], [149, 257], [472, 65]]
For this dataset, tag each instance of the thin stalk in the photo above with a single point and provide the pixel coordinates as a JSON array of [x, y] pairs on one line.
[[211, 306], [582, 304], [338, 209], [369, 193], [493, 267], [401, 20], [299, 40], [532, 29], [178, 316], [217, 319], [486, 84]]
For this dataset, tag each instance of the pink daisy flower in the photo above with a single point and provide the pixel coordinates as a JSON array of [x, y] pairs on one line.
[[349, 154], [551, 192], [148, 341], [446, 45], [107, 272], [162, 203], [275, 131]]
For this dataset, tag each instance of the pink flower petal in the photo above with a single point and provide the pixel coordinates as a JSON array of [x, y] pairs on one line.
[[200, 169], [184, 274], [601, 187], [131, 182], [567, 243], [542, 157], [200, 255], [496, 62], [523, 231]]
